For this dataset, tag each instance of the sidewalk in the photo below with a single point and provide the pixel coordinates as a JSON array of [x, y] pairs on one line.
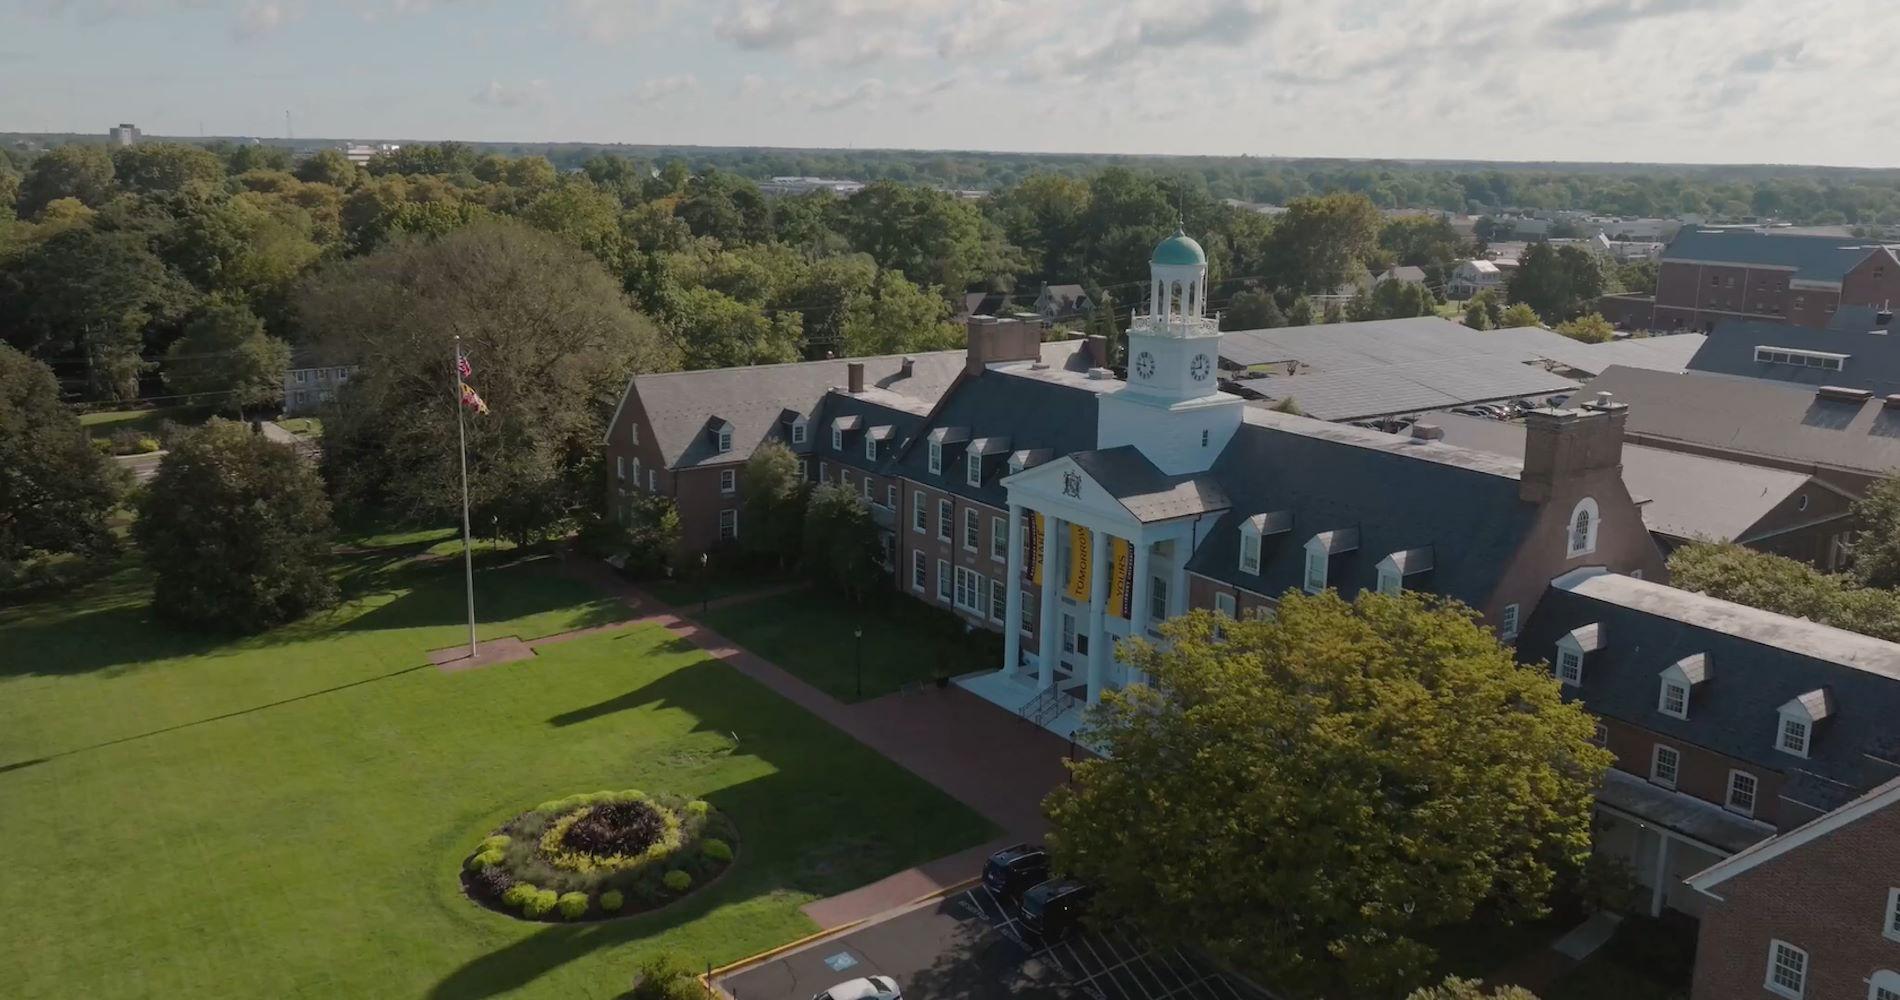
[[995, 763]]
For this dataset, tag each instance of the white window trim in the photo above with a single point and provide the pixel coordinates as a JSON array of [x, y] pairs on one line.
[[936, 458], [946, 520], [1588, 545], [824, 472], [725, 440], [734, 511], [1891, 931], [999, 601], [869, 488], [972, 530], [653, 479], [1249, 551], [971, 591], [870, 448], [1390, 582], [1768, 979], [837, 439], [728, 481], [1316, 567], [1885, 980], [1566, 648], [1807, 734], [944, 582], [1027, 619], [919, 570], [1662, 699], [1507, 622], [798, 431], [919, 513], [973, 469], [633, 433], [1754, 793], [1655, 761], [1157, 595], [999, 539], [1225, 605]]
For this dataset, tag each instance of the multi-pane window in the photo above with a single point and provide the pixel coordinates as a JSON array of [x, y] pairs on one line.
[[1249, 552], [1601, 737], [633, 433], [936, 458], [725, 440], [973, 469], [919, 513], [999, 601], [1570, 666], [869, 488], [1675, 700], [1787, 970], [919, 570], [728, 480], [890, 495], [999, 539], [969, 590], [943, 580], [1893, 914], [1029, 612], [870, 448], [1665, 765], [1741, 792], [1158, 599], [620, 466], [1507, 621], [728, 524], [972, 529], [798, 432], [1315, 572], [1794, 736], [837, 439], [653, 479], [946, 520]]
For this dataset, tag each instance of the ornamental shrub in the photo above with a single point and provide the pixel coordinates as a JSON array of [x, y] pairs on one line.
[[612, 900], [487, 857], [497, 842], [698, 807], [573, 905], [677, 880], [540, 904], [716, 849], [519, 895], [491, 883]]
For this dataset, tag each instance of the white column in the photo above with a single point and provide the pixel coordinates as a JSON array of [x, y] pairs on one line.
[[1098, 611], [1659, 891], [1051, 629], [1138, 605], [1013, 579], [1178, 586]]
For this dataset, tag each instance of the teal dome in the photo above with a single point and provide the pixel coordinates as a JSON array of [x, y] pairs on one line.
[[1179, 249]]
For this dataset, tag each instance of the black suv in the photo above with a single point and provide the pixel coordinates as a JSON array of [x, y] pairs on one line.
[[1053, 908], [1014, 869]]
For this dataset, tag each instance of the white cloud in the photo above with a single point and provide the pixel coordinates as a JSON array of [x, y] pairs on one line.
[[261, 17], [662, 89], [502, 95]]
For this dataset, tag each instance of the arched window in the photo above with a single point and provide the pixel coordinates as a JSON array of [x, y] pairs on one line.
[[1884, 985], [1583, 528]]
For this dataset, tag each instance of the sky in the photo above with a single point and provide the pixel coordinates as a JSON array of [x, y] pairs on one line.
[[1722, 81]]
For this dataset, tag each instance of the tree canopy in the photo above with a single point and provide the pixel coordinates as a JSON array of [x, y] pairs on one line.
[[55, 491], [1785, 586], [1877, 546], [1308, 793]]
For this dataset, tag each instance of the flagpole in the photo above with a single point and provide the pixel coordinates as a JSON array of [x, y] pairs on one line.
[[461, 437]]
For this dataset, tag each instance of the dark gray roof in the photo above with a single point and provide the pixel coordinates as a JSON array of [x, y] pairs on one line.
[[870, 409], [1409, 387], [1779, 421], [1685, 814], [1335, 347], [1144, 490], [1397, 493], [1682, 495], [1035, 410], [1809, 258], [1669, 353], [755, 399], [1757, 662], [1872, 362]]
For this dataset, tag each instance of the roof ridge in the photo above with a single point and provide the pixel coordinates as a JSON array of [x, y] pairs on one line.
[[1434, 452], [795, 364]]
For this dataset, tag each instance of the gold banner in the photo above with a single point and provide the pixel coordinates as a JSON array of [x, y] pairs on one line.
[[1037, 533], [1079, 554], [1121, 577]]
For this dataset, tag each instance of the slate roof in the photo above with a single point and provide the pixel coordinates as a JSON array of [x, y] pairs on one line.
[[871, 409], [1873, 353], [1681, 495], [1144, 490], [1399, 494], [1333, 347], [1669, 353], [1410, 387], [1052, 409], [1683, 813], [1810, 258], [1757, 661], [1777, 421], [756, 398]]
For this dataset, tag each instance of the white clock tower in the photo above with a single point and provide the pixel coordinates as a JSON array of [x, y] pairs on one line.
[[1172, 408]]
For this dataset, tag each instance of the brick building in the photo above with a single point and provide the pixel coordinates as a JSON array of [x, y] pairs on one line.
[[1711, 275], [1813, 912]]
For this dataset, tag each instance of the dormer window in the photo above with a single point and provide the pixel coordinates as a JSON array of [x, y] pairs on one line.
[[1572, 648], [722, 436], [1570, 666], [1016, 460], [870, 449], [1315, 572], [973, 469], [1393, 569], [1797, 719], [1320, 549], [1582, 539], [1249, 552], [936, 458], [1256, 528], [837, 439], [1678, 679], [798, 431]]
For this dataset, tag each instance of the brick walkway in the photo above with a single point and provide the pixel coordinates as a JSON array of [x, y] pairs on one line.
[[993, 762]]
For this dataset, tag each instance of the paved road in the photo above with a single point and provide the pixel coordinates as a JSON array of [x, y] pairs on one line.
[[970, 947], [142, 467]]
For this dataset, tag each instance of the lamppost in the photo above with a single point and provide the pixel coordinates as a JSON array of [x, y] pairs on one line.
[[857, 636], [705, 584]]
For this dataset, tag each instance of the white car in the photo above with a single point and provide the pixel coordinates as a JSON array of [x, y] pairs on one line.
[[868, 988]]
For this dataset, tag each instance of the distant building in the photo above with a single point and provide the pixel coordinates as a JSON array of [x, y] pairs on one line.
[[806, 185], [1474, 276], [311, 381], [360, 153], [123, 134], [1059, 302], [1856, 351], [1709, 275], [1404, 274]]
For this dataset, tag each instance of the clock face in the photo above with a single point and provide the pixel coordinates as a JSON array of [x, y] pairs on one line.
[[1145, 364], [1200, 367]]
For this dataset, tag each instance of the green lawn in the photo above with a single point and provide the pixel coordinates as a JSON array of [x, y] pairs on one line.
[[688, 593], [284, 815], [302, 426], [809, 632], [104, 422]]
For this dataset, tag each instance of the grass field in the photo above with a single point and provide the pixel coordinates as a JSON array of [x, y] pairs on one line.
[[104, 422], [284, 815], [809, 632]]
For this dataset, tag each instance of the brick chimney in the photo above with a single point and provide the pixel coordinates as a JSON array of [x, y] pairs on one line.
[[992, 340], [1098, 351], [1562, 446], [854, 377]]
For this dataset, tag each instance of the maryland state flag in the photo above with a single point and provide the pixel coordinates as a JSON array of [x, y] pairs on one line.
[[473, 399]]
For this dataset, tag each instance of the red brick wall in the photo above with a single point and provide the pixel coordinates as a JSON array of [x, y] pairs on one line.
[[910, 541], [1697, 296], [1702, 773], [1623, 544], [1812, 307], [1827, 897], [1201, 591], [1874, 281], [697, 494]]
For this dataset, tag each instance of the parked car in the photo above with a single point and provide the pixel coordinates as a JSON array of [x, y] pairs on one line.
[[867, 988], [1052, 909], [1558, 400], [1012, 870]]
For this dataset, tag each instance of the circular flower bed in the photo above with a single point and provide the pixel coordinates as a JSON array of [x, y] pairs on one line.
[[600, 855]]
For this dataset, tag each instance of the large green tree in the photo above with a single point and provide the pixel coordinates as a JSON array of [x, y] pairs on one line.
[[1309, 793], [928, 234], [1320, 242], [841, 543], [1877, 546], [236, 530], [772, 505], [1560, 284], [552, 342], [70, 171], [1785, 586], [716, 330], [166, 168], [56, 492], [225, 359], [894, 316]]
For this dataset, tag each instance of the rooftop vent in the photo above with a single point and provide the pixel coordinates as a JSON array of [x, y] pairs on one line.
[[1883, 318], [1427, 432], [1101, 374], [1893, 401], [1843, 394]]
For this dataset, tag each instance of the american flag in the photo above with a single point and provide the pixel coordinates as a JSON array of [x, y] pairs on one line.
[[462, 365]]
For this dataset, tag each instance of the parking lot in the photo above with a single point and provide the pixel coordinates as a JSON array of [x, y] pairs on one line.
[[969, 946]]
